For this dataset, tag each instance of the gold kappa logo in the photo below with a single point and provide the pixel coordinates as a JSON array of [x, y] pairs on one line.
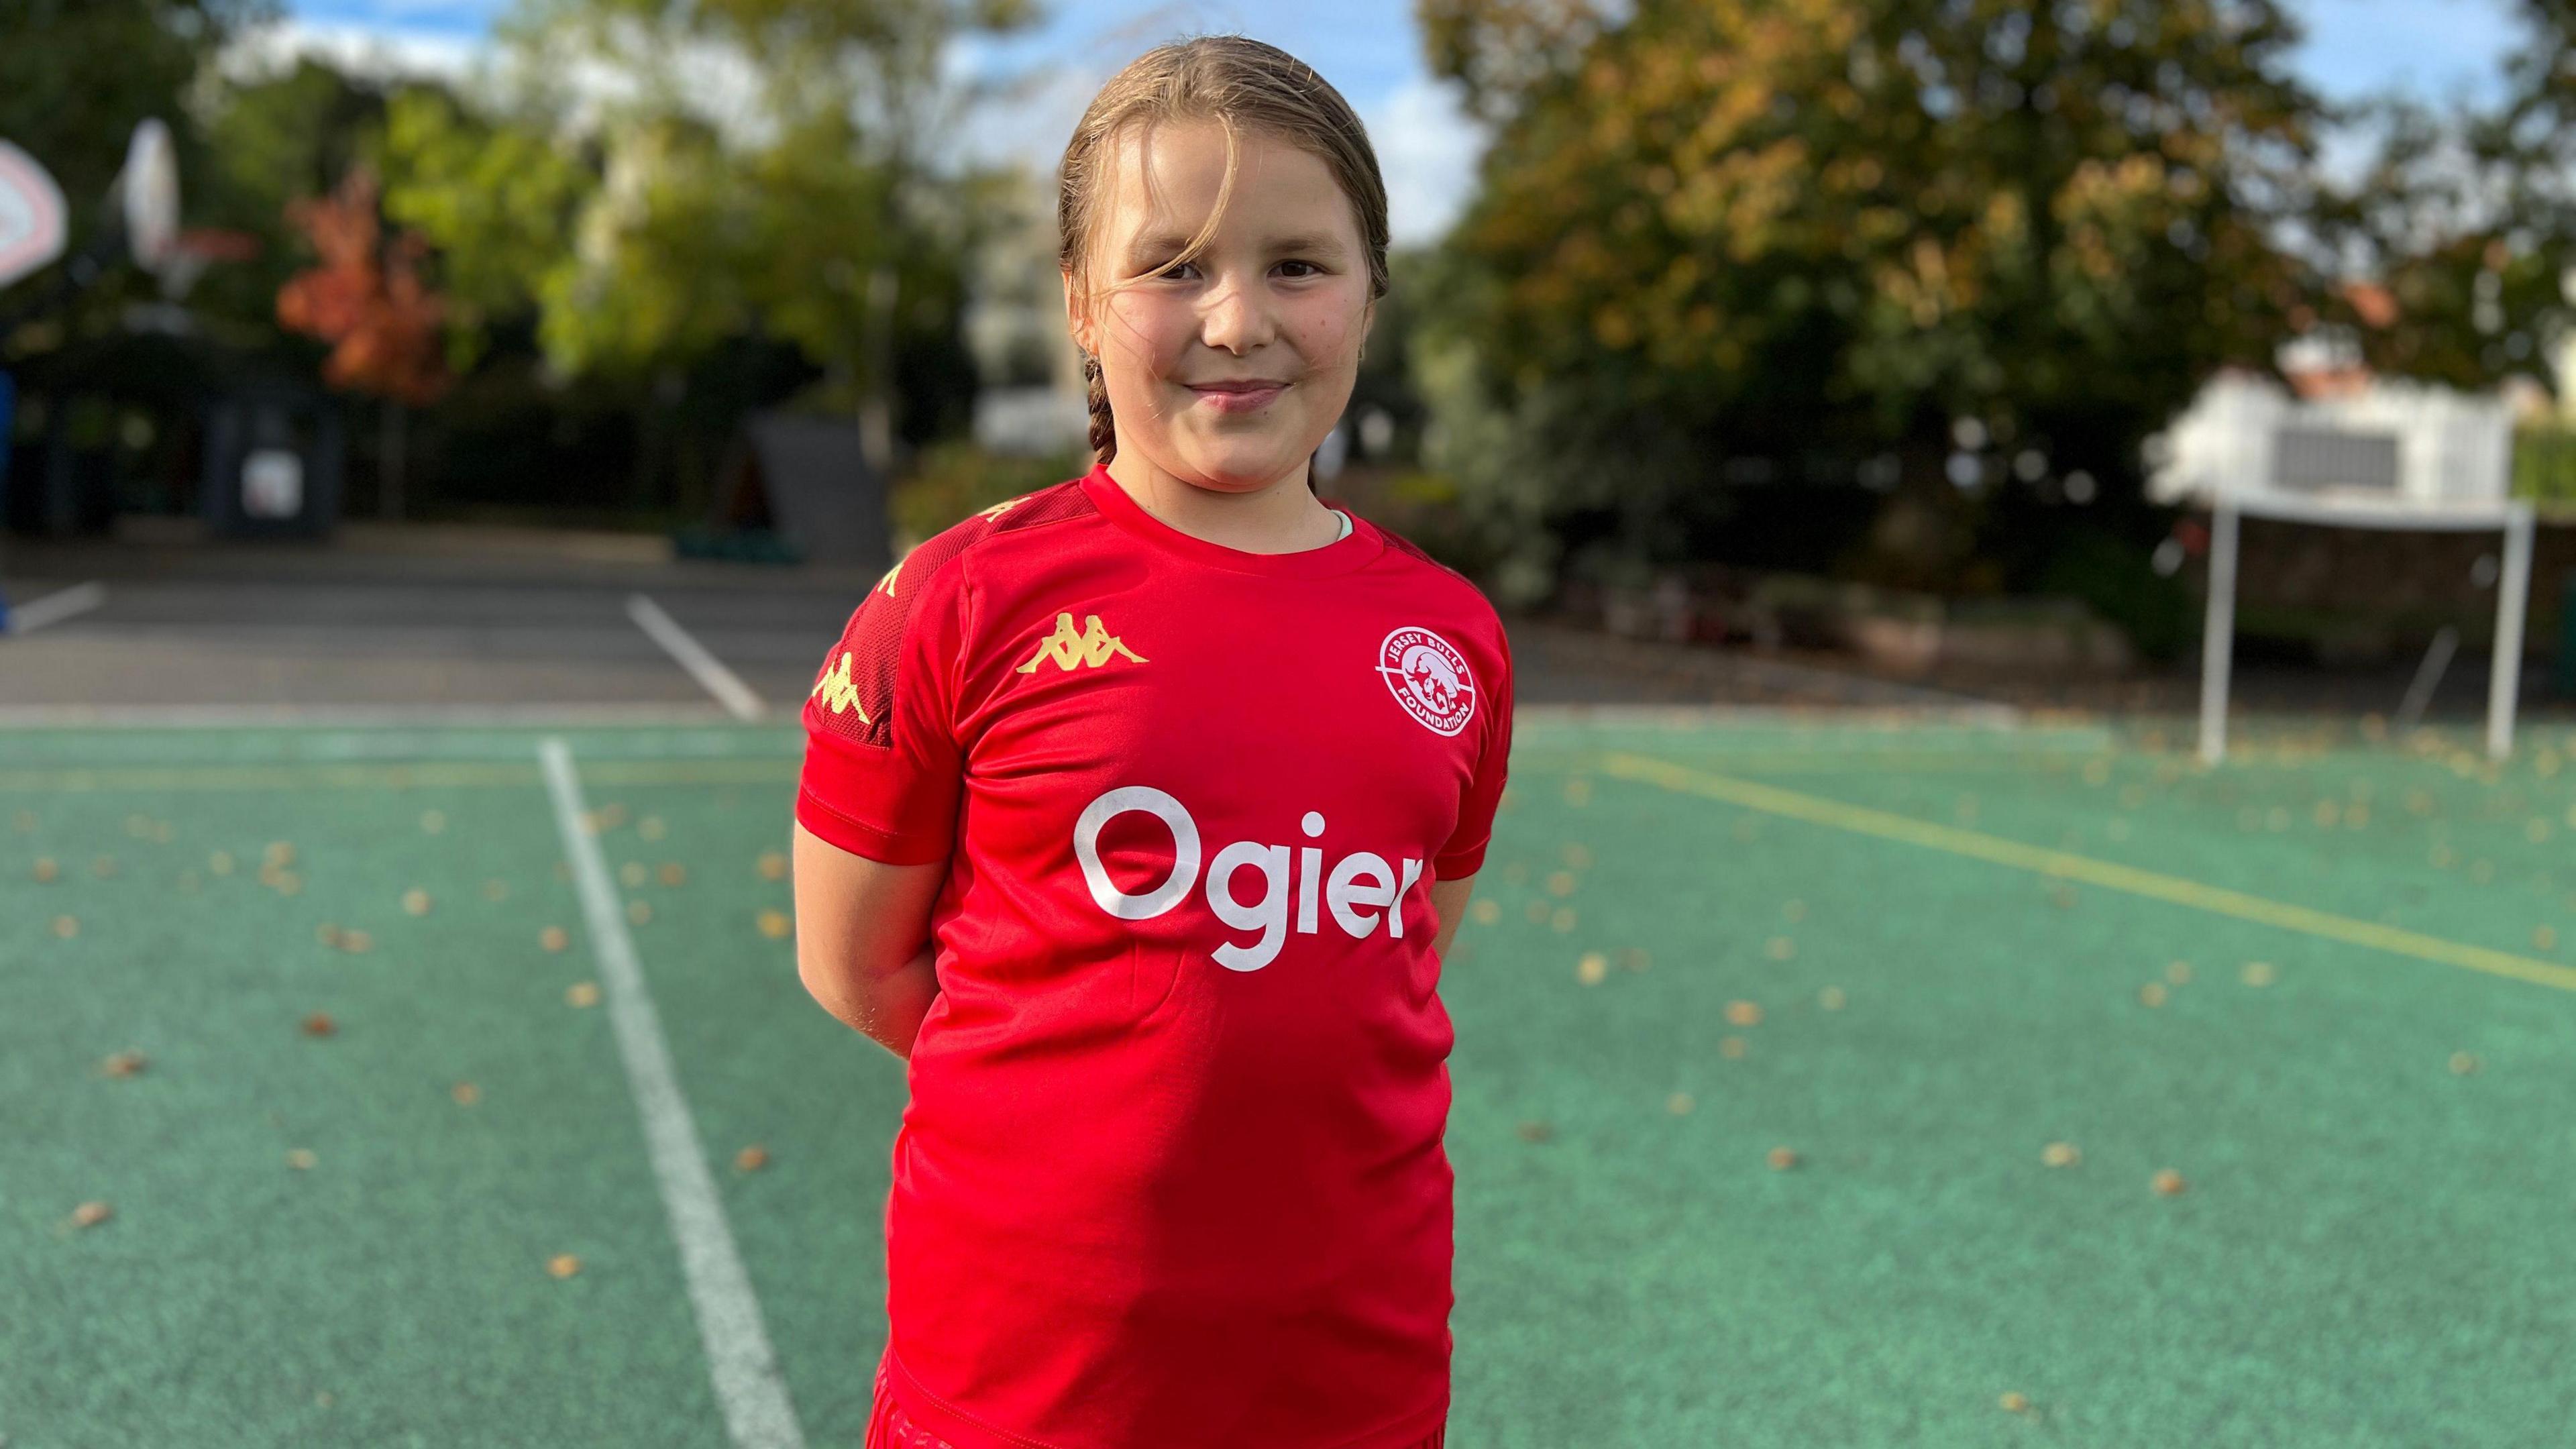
[[1070, 650], [836, 691]]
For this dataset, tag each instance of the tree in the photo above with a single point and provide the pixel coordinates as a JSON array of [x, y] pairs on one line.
[[272, 140], [367, 299], [1904, 233], [768, 169], [2467, 218], [495, 199]]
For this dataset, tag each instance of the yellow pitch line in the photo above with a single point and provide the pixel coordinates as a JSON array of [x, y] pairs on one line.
[[2058, 864], [431, 775]]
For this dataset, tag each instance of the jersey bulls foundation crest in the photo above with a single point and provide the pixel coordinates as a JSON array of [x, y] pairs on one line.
[[1429, 678]]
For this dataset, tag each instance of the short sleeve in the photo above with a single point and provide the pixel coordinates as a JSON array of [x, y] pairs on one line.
[[1464, 854], [882, 766]]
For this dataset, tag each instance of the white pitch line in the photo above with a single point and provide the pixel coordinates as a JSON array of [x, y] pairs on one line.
[[54, 608], [705, 668], [748, 1385]]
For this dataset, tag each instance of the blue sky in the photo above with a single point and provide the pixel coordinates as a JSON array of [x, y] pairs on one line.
[[1367, 48]]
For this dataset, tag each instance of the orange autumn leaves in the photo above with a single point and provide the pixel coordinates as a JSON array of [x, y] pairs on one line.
[[366, 298]]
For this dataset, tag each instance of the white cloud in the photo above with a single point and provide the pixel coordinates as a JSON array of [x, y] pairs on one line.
[[376, 51]]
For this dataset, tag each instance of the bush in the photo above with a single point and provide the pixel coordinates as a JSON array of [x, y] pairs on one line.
[[2114, 579], [958, 478]]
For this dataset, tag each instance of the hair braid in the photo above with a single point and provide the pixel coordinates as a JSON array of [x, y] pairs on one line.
[[1104, 426]]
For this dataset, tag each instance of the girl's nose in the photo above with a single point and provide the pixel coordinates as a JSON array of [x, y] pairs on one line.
[[1235, 318]]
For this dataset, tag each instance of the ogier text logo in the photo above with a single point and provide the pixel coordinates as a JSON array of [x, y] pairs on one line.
[[1359, 890]]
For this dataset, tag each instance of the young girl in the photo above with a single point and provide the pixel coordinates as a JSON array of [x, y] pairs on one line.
[[1183, 778]]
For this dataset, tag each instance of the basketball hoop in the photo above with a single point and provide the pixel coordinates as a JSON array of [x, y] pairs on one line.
[[148, 193], [31, 215]]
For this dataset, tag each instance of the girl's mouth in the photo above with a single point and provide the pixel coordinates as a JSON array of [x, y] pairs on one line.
[[1236, 398]]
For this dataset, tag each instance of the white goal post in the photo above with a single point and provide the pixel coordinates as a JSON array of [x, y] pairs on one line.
[[2385, 454], [2513, 591]]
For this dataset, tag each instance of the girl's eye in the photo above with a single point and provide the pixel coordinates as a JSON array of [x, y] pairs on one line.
[[1172, 270]]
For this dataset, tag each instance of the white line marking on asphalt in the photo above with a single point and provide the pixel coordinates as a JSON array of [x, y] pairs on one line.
[[54, 608], [748, 1385], [704, 667]]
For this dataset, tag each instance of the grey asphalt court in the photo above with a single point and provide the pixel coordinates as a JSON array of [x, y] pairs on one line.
[[422, 623]]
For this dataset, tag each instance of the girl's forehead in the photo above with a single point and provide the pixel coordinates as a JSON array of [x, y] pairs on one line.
[[1167, 175]]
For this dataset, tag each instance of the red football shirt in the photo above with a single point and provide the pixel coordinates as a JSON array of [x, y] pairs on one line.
[[1171, 1173]]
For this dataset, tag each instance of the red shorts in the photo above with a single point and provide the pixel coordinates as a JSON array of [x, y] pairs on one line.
[[889, 1429]]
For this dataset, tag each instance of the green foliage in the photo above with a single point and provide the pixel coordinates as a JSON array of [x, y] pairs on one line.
[[786, 211], [495, 199], [2544, 464]]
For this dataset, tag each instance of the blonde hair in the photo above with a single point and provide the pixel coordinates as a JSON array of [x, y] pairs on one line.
[[1241, 84]]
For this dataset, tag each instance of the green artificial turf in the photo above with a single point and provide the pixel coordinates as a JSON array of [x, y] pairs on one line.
[[2371, 1145]]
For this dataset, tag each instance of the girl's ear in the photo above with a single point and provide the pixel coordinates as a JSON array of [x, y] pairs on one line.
[[1077, 318]]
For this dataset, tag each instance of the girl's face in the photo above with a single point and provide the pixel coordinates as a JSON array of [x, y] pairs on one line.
[[1228, 370]]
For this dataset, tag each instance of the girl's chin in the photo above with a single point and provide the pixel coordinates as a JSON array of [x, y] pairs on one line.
[[1239, 469]]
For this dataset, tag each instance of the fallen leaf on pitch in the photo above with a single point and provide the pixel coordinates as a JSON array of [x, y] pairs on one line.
[[563, 1265], [320, 1024], [91, 1214], [466, 1094], [773, 866], [674, 874], [47, 871], [582, 993], [123, 1064], [416, 902], [775, 925], [752, 1158], [553, 938]]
